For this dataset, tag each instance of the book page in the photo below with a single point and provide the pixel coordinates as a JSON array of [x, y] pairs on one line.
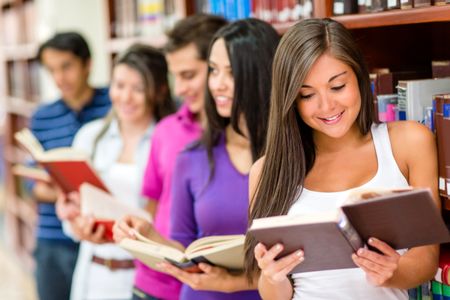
[[285, 220], [152, 254], [26, 138], [212, 241], [229, 254], [102, 205]]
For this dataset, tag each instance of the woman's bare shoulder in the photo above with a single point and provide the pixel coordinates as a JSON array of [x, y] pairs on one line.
[[409, 133]]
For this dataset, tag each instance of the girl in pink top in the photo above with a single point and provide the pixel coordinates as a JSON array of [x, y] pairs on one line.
[[186, 54]]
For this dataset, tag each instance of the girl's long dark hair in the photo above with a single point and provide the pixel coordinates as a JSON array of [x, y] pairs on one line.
[[251, 45], [290, 151]]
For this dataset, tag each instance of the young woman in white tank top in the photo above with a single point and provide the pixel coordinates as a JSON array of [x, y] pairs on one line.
[[322, 143]]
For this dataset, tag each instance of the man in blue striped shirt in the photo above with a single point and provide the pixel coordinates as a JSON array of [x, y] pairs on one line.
[[67, 58]]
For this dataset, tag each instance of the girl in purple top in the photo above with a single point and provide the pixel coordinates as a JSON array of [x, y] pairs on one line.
[[210, 191], [186, 54]]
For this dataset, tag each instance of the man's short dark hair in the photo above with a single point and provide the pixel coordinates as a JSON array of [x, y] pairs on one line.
[[196, 29], [72, 42]]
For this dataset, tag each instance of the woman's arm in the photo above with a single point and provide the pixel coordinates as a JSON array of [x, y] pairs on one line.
[[419, 166], [273, 280], [419, 263]]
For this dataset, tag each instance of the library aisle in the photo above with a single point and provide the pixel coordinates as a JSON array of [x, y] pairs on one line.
[[15, 282]]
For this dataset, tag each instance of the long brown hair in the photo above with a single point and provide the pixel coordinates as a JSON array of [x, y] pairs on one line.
[[290, 150], [151, 65]]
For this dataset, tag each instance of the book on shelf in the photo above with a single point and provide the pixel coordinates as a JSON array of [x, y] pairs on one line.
[[439, 2], [441, 116], [422, 3], [415, 95], [106, 209], [393, 4], [33, 173], [68, 167], [406, 4], [225, 251], [344, 7], [440, 68], [403, 218], [440, 285]]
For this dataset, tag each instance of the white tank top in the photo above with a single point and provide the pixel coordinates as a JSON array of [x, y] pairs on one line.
[[348, 283]]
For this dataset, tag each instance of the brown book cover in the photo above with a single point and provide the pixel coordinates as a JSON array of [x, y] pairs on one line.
[[438, 118], [445, 147], [440, 69], [385, 82], [402, 218]]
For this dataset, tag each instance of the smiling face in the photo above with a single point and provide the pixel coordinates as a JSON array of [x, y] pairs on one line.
[[189, 74], [220, 80], [128, 95], [329, 100], [68, 71]]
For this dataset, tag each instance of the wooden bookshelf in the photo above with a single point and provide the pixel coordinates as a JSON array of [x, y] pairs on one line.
[[19, 96], [124, 28], [396, 17]]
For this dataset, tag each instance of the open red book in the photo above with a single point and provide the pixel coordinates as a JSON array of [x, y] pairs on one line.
[[68, 167]]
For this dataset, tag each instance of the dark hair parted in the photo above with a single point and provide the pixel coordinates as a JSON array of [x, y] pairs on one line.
[[290, 152], [151, 65], [250, 45], [196, 29], [72, 42]]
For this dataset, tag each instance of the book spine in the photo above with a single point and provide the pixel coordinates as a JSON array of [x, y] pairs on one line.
[[350, 233], [436, 290]]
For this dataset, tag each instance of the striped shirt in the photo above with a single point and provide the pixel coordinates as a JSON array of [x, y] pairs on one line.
[[55, 126]]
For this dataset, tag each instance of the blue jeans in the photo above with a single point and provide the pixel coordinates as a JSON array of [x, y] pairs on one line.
[[55, 262], [140, 295]]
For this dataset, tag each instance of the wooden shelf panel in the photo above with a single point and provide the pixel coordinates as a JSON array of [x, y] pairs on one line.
[[20, 52], [118, 45], [396, 17]]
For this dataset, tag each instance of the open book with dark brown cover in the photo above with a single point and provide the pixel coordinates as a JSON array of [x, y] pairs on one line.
[[68, 167], [401, 218]]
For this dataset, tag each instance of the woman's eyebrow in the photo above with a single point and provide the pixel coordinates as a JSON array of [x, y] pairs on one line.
[[330, 80]]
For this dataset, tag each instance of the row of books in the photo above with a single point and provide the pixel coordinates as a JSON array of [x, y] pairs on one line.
[[272, 11], [131, 18], [439, 287], [341, 7], [23, 79], [17, 25], [407, 95]]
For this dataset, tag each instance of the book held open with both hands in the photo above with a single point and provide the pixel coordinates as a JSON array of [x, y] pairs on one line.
[[225, 251], [402, 218], [68, 167], [106, 209]]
